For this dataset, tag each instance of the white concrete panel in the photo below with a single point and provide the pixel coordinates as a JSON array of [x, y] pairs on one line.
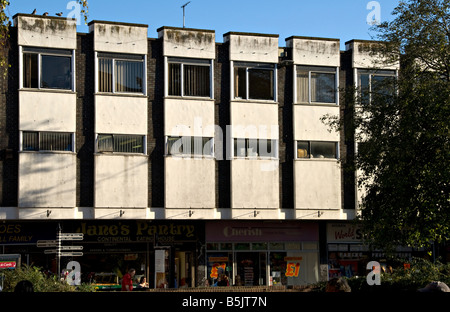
[[254, 184], [47, 111], [248, 117], [317, 184], [186, 42], [363, 56], [252, 47], [189, 183], [315, 51], [308, 125], [47, 179], [120, 181], [119, 37], [47, 32], [189, 117], [121, 114]]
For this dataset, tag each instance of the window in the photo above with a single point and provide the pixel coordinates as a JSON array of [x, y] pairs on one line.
[[120, 73], [47, 141], [317, 149], [187, 145], [189, 77], [253, 81], [371, 83], [316, 85], [47, 69], [262, 148], [120, 143]]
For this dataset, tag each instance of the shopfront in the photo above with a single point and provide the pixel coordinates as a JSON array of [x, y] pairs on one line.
[[111, 247], [262, 253], [348, 255]]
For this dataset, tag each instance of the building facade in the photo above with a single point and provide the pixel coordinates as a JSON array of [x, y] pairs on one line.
[[179, 156]]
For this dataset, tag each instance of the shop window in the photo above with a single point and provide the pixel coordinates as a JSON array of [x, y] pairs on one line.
[[47, 68], [189, 77], [316, 85], [47, 141], [278, 268], [242, 246], [187, 146], [212, 246], [310, 246], [253, 81], [121, 73], [276, 246], [255, 148], [226, 246], [317, 149], [120, 143], [259, 246]]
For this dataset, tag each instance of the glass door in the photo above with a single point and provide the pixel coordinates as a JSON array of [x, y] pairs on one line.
[[251, 268]]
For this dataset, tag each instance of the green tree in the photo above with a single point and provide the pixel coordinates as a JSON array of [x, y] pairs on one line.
[[404, 155]]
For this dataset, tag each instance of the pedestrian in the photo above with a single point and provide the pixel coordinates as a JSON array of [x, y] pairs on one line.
[[127, 280], [142, 283], [223, 281], [24, 286], [337, 284]]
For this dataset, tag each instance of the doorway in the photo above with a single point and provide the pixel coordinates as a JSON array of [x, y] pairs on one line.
[[252, 268]]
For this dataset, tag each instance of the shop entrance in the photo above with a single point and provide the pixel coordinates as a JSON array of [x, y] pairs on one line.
[[251, 268], [184, 269]]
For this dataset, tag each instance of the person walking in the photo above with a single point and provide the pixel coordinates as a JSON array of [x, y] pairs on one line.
[[127, 281]]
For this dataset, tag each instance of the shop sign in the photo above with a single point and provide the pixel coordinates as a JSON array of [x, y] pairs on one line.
[[164, 233], [292, 266], [7, 264], [216, 268], [24, 233], [343, 233], [242, 231]]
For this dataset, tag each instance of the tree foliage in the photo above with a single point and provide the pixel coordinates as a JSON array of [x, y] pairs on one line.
[[404, 158]]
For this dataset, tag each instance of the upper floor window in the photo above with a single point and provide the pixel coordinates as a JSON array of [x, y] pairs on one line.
[[254, 81], [255, 148], [189, 77], [47, 68], [317, 149], [316, 85], [121, 143], [371, 83], [47, 141], [121, 73], [190, 145]]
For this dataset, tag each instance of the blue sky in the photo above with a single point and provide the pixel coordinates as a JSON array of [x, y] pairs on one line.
[[342, 19]]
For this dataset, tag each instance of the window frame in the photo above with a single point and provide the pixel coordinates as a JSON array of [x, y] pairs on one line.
[[41, 51], [38, 139], [309, 154], [189, 62], [320, 70], [112, 152], [192, 142], [370, 72], [274, 149], [138, 58], [248, 67]]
